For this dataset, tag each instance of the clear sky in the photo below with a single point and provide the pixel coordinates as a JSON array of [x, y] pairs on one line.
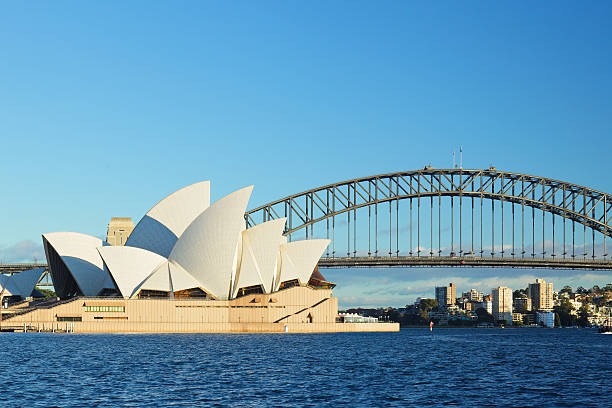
[[106, 107]]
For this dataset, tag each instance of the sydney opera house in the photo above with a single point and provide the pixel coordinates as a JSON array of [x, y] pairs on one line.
[[189, 266]]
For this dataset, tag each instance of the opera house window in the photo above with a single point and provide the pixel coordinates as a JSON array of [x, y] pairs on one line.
[[105, 309], [69, 319]]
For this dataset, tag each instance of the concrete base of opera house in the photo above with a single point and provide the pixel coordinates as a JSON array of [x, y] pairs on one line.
[[208, 328], [299, 309]]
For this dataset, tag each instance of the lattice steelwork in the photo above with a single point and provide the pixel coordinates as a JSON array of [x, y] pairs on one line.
[[473, 216]]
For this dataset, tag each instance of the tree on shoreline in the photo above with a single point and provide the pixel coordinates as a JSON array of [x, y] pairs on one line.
[[564, 313], [583, 313], [484, 316]]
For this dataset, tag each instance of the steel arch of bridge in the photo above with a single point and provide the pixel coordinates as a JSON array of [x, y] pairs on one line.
[[581, 205]]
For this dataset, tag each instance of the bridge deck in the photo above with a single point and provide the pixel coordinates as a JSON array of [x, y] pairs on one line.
[[13, 268], [441, 261]]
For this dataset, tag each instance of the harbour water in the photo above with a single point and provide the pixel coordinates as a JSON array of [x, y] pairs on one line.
[[415, 367]]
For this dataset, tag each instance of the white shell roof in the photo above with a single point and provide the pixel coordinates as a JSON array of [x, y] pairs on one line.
[[129, 266], [169, 277], [180, 279], [260, 246], [159, 279], [80, 255], [135, 269], [299, 258], [207, 248], [183, 242], [161, 227], [277, 271]]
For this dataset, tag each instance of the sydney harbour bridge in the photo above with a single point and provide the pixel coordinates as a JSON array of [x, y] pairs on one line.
[[446, 217], [451, 217]]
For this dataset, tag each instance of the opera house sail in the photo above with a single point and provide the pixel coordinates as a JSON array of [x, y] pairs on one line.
[[189, 265], [20, 285]]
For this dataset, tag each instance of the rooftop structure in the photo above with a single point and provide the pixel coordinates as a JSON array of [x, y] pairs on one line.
[[119, 230]]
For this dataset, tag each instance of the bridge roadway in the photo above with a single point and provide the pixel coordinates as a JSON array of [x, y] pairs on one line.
[[466, 261], [45, 280], [13, 268], [416, 261]]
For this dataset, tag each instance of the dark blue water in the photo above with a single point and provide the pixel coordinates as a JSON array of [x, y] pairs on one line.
[[458, 367]]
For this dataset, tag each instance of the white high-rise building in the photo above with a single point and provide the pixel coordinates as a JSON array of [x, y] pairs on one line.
[[541, 295], [473, 295], [488, 306], [502, 303]]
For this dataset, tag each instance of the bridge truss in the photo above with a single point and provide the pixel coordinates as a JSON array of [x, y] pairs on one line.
[[447, 217], [480, 217]]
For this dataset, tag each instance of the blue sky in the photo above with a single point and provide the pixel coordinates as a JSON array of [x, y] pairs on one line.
[[107, 107]]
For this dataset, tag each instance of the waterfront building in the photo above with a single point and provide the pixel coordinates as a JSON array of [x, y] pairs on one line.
[[488, 306], [546, 319], [119, 230], [529, 318], [465, 304], [190, 266], [355, 318], [453, 312], [541, 294], [502, 303], [473, 295], [517, 318], [445, 295], [522, 304]]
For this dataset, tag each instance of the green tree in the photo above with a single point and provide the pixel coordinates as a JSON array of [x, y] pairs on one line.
[[566, 289], [564, 312], [583, 313], [426, 306], [48, 293], [392, 315], [484, 316]]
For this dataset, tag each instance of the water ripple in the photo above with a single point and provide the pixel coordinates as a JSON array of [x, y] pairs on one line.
[[453, 367]]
